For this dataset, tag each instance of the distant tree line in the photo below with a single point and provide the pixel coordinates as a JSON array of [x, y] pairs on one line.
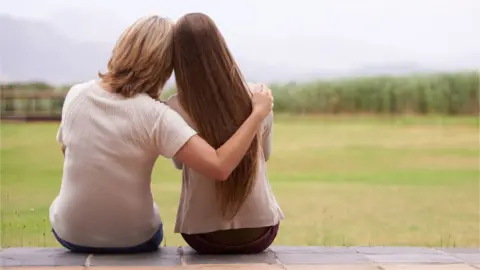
[[442, 93]]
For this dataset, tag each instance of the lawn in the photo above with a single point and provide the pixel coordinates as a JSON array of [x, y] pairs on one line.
[[339, 181]]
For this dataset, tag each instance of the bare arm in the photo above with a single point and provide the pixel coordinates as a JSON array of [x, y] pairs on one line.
[[219, 164]]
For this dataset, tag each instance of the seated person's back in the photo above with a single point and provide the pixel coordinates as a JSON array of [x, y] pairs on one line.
[[107, 168], [239, 215], [200, 211]]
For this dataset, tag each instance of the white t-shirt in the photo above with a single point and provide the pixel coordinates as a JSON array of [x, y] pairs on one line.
[[112, 144]]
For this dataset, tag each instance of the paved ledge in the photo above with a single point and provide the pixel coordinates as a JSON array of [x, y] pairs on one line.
[[277, 257]]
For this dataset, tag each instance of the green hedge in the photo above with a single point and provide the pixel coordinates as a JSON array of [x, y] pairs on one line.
[[451, 94], [448, 93]]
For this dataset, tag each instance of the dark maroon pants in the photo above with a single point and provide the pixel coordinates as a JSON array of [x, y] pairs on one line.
[[203, 244]]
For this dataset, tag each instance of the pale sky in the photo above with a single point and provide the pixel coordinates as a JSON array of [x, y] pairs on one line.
[[304, 34]]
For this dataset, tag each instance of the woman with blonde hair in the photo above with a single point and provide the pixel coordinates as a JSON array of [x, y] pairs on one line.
[[239, 215], [112, 131]]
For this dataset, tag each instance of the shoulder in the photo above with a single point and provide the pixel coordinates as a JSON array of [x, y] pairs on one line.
[[174, 103], [254, 87], [77, 89], [159, 112], [152, 107], [268, 122], [75, 92]]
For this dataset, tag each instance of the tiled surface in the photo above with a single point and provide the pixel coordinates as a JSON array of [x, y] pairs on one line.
[[460, 250], [312, 250], [190, 257], [277, 257], [467, 255], [44, 268], [332, 267], [40, 257], [165, 257], [187, 267], [135, 260], [414, 258], [322, 259], [427, 267], [395, 250], [256, 266]]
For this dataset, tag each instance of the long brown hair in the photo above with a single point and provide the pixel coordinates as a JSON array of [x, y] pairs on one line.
[[141, 60], [212, 91]]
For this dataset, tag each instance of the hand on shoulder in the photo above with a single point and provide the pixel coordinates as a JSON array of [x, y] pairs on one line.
[[262, 101], [257, 87]]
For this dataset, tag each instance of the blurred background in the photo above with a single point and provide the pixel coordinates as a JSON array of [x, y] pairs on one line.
[[376, 137]]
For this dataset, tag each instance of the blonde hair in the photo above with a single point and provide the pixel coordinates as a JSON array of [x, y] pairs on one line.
[[141, 60]]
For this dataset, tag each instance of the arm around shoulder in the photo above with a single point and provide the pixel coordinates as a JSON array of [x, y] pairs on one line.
[[219, 164], [177, 139], [173, 137], [198, 155]]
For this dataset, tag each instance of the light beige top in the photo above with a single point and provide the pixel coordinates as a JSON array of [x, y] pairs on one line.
[[199, 210], [112, 144]]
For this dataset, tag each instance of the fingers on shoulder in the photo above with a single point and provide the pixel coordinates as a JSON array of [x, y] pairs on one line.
[[257, 87]]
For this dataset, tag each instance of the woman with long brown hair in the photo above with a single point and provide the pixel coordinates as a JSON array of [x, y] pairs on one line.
[[239, 215]]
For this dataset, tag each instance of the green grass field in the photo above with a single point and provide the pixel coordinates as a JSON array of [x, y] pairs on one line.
[[339, 181]]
